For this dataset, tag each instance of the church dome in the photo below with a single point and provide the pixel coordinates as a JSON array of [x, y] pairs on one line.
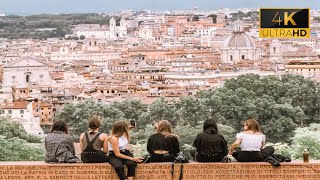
[[239, 39]]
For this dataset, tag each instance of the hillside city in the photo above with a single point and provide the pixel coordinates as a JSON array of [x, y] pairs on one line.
[[140, 55]]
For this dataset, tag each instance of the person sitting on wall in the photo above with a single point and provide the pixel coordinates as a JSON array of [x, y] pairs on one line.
[[59, 145], [251, 144], [92, 142], [119, 153], [210, 145], [163, 146]]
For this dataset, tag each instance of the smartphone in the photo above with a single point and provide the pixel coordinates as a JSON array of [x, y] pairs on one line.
[[133, 123]]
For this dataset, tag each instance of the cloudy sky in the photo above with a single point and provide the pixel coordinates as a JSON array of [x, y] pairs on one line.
[[72, 6]]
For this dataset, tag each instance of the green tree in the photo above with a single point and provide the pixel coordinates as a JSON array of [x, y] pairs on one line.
[[78, 115], [11, 129], [158, 110], [191, 111], [15, 149], [17, 145], [317, 19], [82, 37], [132, 109], [306, 138], [214, 18]]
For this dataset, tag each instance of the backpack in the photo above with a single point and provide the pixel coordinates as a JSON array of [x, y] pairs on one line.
[[89, 154]]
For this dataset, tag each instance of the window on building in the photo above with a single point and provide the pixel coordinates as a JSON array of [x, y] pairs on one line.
[[21, 111], [231, 58], [242, 57], [27, 78], [9, 111]]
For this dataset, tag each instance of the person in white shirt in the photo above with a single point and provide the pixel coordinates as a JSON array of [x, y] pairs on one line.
[[251, 144], [119, 153]]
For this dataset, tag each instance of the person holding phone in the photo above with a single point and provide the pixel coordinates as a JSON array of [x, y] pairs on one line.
[[133, 124], [119, 155], [163, 146]]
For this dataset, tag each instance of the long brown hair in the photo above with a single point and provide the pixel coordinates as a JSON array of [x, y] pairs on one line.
[[164, 127], [253, 125], [120, 128]]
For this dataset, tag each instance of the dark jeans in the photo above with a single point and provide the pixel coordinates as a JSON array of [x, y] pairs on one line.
[[253, 156], [119, 163], [217, 157], [170, 157], [94, 157]]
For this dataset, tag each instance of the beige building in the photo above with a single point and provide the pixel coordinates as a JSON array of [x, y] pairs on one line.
[[239, 46], [22, 112], [113, 32], [309, 69], [24, 72]]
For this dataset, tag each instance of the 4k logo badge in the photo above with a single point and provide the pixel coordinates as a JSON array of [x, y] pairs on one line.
[[284, 23]]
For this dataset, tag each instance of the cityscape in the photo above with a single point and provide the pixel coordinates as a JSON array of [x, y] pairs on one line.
[[150, 63]]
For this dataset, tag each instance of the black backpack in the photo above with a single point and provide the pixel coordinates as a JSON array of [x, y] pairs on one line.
[[89, 154]]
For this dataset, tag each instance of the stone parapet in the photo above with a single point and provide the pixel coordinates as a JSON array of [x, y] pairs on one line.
[[162, 171]]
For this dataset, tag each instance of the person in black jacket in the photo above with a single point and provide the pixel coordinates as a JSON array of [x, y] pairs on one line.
[[210, 145], [164, 145]]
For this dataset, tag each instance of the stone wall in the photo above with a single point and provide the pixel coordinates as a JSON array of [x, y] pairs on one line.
[[161, 171]]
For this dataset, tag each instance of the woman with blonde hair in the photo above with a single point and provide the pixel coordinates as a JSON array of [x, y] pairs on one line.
[[251, 144], [163, 146], [94, 144], [119, 153]]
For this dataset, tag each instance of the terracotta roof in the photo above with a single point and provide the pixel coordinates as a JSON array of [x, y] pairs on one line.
[[15, 105]]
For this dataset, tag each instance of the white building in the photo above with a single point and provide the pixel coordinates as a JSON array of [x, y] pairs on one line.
[[239, 46], [21, 112], [146, 33], [276, 49], [24, 72], [114, 31], [206, 31]]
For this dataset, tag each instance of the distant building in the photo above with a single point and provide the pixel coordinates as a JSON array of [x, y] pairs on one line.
[[23, 72], [308, 69], [220, 18], [239, 46], [114, 31], [21, 112]]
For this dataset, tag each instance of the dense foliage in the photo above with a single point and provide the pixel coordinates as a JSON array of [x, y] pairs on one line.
[[304, 138], [14, 27], [17, 145], [280, 104]]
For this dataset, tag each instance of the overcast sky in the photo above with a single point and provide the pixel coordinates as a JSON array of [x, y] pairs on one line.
[[24, 7]]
